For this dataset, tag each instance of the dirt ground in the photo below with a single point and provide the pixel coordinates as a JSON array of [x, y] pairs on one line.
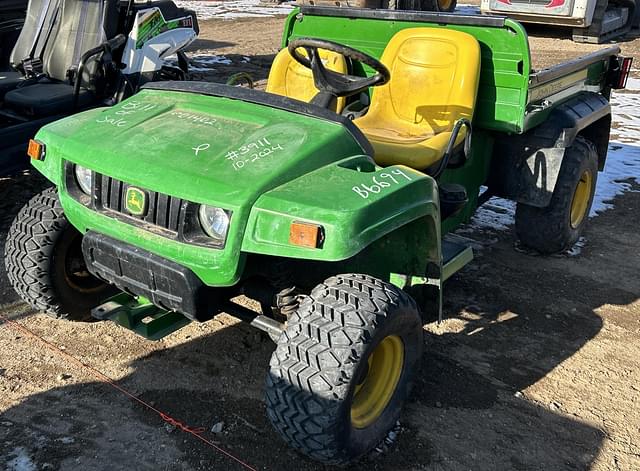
[[536, 368]]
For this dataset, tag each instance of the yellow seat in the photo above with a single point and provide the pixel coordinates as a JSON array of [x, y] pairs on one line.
[[291, 79], [434, 83]]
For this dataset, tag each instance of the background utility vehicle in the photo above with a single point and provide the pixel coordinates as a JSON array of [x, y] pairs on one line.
[[593, 21], [72, 55], [330, 214]]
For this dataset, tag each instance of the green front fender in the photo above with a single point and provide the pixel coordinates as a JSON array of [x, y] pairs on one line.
[[355, 202]]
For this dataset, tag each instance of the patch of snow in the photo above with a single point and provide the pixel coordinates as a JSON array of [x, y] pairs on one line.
[[496, 214], [207, 9], [633, 84], [577, 248], [623, 160], [201, 62], [21, 461], [623, 167]]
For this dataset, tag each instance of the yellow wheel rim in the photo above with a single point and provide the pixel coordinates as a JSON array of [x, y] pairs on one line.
[[376, 389], [581, 197], [444, 4]]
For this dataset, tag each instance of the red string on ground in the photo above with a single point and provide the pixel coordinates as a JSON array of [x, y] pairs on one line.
[[196, 432]]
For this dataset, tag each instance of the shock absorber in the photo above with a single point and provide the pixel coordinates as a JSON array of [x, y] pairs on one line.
[[287, 301]]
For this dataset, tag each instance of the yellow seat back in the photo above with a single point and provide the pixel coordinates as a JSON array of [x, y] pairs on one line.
[[434, 83], [291, 79]]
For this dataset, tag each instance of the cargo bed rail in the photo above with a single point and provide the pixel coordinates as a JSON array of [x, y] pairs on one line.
[[567, 68]]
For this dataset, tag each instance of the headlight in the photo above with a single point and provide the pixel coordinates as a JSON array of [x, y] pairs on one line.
[[83, 177], [214, 222]]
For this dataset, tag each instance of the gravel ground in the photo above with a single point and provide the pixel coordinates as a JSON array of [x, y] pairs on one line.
[[536, 367]]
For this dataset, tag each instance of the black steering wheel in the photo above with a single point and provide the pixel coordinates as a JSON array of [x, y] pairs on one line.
[[334, 84]]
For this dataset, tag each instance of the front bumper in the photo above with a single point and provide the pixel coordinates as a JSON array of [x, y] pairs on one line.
[[165, 283]]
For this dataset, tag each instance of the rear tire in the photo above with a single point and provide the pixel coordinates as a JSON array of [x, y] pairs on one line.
[[44, 263], [342, 369], [558, 227]]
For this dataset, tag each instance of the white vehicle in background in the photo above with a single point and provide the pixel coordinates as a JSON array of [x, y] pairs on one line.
[[593, 21]]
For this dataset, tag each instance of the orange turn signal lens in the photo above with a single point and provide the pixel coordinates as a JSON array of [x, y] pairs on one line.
[[36, 150], [306, 235]]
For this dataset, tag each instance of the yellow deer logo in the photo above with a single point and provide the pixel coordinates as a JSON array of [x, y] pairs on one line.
[[135, 201]]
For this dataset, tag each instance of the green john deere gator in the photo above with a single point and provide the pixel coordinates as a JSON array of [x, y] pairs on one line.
[[326, 199]]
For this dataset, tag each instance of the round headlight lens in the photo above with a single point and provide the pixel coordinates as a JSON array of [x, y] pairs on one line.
[[215, 222], [83, 177]]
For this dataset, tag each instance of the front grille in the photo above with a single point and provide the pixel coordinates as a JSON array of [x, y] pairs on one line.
[[162, 210], [165, 215]]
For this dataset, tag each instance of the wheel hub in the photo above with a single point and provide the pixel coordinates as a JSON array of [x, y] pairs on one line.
[[75, 269], [378, 383], [581, 197]]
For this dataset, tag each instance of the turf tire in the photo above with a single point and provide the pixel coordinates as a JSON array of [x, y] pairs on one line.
[[38, 241], [314, 369], [548, 230]]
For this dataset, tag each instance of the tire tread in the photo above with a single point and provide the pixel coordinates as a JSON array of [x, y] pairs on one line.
[[308, 378]]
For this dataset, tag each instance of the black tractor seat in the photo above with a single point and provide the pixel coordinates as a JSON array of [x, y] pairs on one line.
[[9, 81], [47, 98]]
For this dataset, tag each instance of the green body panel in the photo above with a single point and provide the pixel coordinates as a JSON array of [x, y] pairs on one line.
[[153, 142], [354, 202], [506, 63], [590, 78]]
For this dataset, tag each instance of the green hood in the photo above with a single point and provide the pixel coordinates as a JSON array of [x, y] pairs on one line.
[[205, 149]]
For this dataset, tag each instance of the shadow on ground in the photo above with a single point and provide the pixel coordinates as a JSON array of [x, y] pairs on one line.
[[202, 43], [518, 318]]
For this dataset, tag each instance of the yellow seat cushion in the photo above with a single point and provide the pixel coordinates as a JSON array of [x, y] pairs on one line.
[[289, 78], [434, 83]]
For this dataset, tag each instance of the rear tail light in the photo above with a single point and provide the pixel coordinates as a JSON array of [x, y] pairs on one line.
[[506, 2], [625, 68]]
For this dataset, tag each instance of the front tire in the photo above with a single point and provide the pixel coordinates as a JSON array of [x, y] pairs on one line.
[[558, 227], [342, 369], [44, 262]]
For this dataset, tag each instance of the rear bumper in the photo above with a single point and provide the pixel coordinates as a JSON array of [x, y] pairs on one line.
[[165, 283]]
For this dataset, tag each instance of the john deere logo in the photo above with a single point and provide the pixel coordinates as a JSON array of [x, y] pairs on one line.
[[135, 201]]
